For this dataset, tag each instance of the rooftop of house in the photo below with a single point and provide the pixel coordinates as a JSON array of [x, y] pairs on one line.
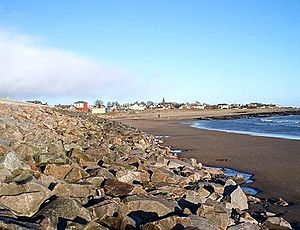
[[78, 102]]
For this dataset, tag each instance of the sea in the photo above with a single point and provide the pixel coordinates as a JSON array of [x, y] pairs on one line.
[[287, 127]]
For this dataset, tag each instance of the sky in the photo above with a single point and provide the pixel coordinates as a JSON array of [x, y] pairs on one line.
[[233, 51]]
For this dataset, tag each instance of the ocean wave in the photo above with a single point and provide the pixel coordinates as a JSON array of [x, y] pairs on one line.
[[287, 127], [281, 121]]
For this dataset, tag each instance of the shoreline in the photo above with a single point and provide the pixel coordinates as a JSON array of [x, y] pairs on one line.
[[272, 161]]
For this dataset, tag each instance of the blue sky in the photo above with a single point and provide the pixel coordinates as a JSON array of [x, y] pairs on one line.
[[210, 51]]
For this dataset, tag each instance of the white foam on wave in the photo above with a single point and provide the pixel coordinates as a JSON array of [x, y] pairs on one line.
[[280, 120]]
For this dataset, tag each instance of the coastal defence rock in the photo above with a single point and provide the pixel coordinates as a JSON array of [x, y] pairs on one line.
[[66, 170], [117, 188], [160, 207], [235, 197], [24, 199], [244, 226], [215, 212], [277, 223], [63, 208]]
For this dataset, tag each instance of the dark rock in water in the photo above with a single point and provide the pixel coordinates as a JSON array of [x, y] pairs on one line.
[[281, 202]]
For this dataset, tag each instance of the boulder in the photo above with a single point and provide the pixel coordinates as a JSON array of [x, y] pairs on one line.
[[159, 207], [74, 190], [23, 199], [244, 226], [247, 218], [215, 196], [97, 181], [94, 226], [277, 223], [3, 150], [161, 161], [57, 171], [215, 212], [102, 172], [81, 158], [217, 188], [42, 159], [114, 187], [199, 223], [56, 148], [76, 174], [4, 174], [199, 175], [128, 223], [171, 190], [12, 162], [90, 226], [176, 163], [281, 202], [129, 176], [138, 190], [195, 197], [106, 208], [204, 193], [107, 213], [162, 175], [253, 199], [63, 208], [236, 198], [171, 222], [20, 176], [214, 171]]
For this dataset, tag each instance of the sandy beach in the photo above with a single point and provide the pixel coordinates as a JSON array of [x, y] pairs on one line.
[[273, 161]]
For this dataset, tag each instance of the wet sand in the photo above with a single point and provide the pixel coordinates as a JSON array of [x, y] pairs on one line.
[[274, 162]]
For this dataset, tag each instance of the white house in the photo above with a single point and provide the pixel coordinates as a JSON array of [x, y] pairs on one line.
[[137, 107], [184, 106], [100, 110], [197, 106], [223, 106]]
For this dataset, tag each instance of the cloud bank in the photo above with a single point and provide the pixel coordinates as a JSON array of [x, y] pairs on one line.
[[29, 71]]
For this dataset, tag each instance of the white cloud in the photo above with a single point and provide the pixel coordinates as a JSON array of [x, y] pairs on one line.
[[28, 71]]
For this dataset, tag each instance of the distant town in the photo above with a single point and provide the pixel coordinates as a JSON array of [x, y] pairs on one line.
[[99, 107]]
